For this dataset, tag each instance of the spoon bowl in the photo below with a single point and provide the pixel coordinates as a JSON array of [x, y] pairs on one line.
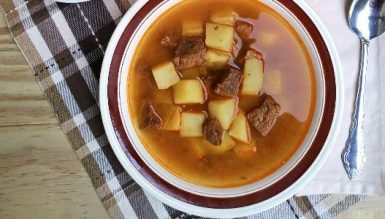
[[367, 18]]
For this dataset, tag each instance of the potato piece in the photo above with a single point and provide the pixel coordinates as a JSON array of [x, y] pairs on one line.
[[216, 60], [189, 92], [223, 110], [227, 18], [219, 36], [252, 53], [170, 115], [253, 77], [244, 150], [240, 129], [191, 124], [227, 144], [192, 28], [165, 75], [191, 73], [273, 82]]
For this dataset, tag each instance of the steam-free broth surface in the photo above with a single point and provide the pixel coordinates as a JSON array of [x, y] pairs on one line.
[[287, 77]]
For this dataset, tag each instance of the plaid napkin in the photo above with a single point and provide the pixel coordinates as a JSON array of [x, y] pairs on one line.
[[64, 45]]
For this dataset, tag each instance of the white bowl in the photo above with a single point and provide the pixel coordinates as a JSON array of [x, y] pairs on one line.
[[229, 202]]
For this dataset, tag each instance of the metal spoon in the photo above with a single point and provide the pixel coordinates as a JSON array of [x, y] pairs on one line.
[[367, 19]]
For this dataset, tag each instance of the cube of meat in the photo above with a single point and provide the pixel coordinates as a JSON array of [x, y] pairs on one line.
[[229, 86], [263, 117], [151, 117], [212, 131], [243, 29], [190, 52]]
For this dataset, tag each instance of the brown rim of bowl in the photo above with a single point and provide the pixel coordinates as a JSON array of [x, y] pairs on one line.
[[231, 202]]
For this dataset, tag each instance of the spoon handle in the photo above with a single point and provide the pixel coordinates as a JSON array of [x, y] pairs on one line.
[[353, 156]]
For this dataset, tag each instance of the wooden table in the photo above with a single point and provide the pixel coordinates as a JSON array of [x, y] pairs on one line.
[[40, 175]]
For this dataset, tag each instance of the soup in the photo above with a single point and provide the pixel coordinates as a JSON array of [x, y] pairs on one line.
[[221, 96]]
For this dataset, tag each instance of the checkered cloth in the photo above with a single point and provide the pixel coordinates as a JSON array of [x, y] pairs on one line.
[[64, 45]]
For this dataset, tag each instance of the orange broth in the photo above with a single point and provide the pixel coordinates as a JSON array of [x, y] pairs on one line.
[[284, 54]]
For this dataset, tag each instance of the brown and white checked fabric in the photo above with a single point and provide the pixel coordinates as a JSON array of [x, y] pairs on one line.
[[64, 45]]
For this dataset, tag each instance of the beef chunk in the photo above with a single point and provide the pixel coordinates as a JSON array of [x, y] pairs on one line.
[[151, 117], [169, 42], [243, 29], [229, 86], [263, 117], [190, 52], [212, 131]]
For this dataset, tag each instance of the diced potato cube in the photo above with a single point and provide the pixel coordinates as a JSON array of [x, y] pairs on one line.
[[191, 73], [253, 77], [240, 129], [273, 82], [170, 115], [227, 144], [227, 18], [253, 54], [165, 75], [189, 92], [224, 110], [244, 150], [216, 60], [191, 124], [219, 36], [192, 28]]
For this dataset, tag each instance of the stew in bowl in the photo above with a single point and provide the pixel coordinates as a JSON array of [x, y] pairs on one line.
[[224, 105]]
